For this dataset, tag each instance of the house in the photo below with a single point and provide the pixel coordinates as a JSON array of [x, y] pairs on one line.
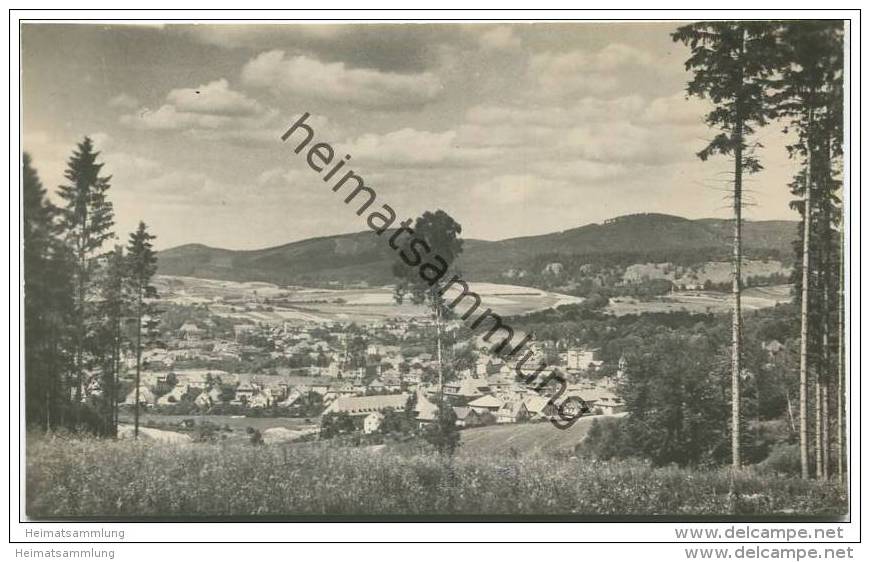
[[376, 387], [487, 366], [320, 388], [772, 347], [260, 400], [277, 393], [203, 400], [243, 329], [465, 388], [392, 384], [580, 359], [466, 417], [290, 399], [244, 392], [426, 411], [608, 403], [344, 388], [174, 396], [512, 412], [189, 331], [359, 388], [539, 407], [364, 405], [486, 403], [146, 397], [372, 422]]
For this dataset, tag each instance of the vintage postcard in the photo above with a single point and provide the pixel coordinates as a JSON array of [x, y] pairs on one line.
[[435, 271]]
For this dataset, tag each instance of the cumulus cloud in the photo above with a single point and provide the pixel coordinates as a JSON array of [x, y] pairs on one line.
[[583, 110], [559, 74], [677, 110], [410, 147], [514, 189], [309, 77], [214, 98], [618, 130], [211, 112], [168, 117]]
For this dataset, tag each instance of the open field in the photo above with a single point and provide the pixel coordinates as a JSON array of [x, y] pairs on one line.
[[523, 439], [86, 477], [234, 422], [265, 302], [754, 298]]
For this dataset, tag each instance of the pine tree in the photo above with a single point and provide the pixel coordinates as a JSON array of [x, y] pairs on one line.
[[86, 221], [731, 62], [141, 267], [47, 306], [810, 94], [113, 308]]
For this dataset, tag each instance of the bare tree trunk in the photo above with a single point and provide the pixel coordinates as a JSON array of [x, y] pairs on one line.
[[841, 372], [790, 410], [818, 415], [805, 297], [438, 350], [736, 282], [824, 372], [841, 383], [826, 441], [138, 364]]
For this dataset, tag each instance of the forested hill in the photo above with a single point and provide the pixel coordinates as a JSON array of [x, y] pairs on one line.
[[365, 257]]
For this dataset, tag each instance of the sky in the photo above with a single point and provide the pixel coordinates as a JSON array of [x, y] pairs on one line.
[[513, 129]]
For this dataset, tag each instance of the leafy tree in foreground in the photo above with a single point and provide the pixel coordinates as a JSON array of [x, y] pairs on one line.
[[673, 393], [442, 433], [423, 278]]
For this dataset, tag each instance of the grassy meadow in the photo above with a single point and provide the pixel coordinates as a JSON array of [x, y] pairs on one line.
[[85, 477]]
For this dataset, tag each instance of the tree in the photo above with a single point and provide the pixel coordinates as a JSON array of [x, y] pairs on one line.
[[438, 234], [731, 62], [810, 96], [86, 221], [141, 266], [47, 305], [442, 433], [332, 425], [672, 390], [112, 308]]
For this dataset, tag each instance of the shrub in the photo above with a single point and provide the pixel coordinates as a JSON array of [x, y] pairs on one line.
[[205, 431], [784, 458], [607, 439], [75, 477]]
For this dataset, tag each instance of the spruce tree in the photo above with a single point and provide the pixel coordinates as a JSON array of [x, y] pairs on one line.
[[141, 267], [731, 62], [47, 306], [810, 96], [86, 220]]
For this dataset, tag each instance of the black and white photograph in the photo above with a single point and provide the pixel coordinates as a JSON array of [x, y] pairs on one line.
[[435, 271]]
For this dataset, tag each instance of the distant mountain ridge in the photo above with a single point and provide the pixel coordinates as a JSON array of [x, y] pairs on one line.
[[366, 257]]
